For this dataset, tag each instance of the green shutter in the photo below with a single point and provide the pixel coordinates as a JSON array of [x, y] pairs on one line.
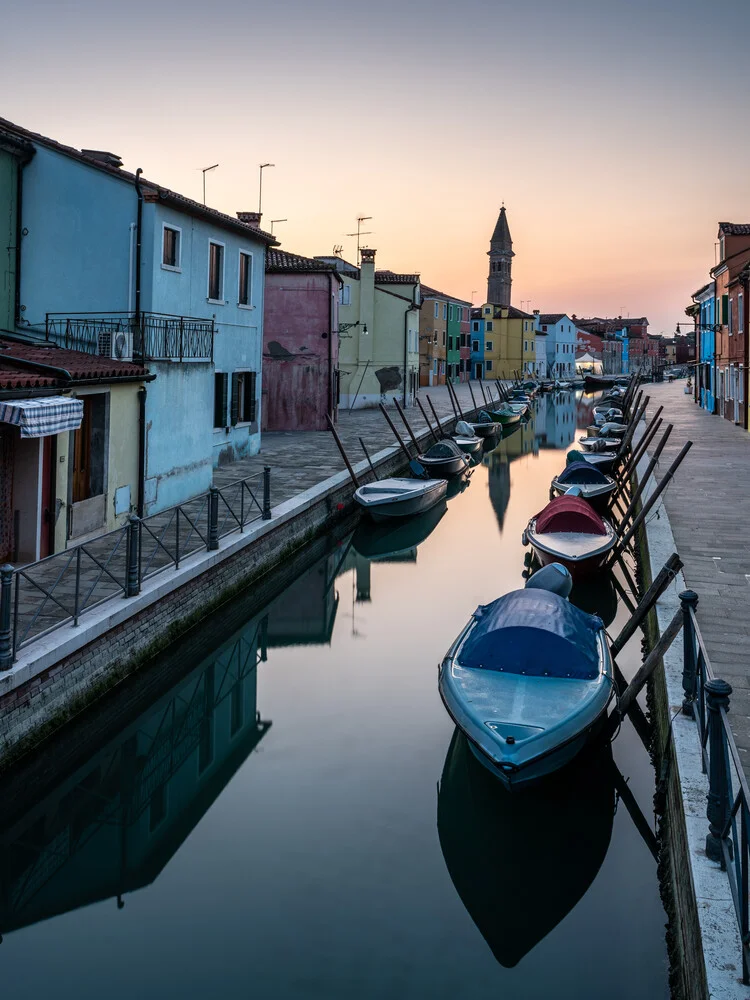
[[235, 397], [252, 378]]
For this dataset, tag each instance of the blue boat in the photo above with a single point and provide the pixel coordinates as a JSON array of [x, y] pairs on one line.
[[528, 681]]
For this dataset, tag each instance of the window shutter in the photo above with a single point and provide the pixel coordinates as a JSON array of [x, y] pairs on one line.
[[725, 309], [252, 378], [222, 422], [235, 398]]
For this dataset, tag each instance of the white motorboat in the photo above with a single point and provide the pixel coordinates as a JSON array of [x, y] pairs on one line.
[[569, 531], [387, 498]]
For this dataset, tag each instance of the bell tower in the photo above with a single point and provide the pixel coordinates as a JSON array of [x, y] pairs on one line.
[[501, 256]]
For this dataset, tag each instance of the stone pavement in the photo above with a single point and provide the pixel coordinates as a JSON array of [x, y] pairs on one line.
[[708, 504], [300, 459]]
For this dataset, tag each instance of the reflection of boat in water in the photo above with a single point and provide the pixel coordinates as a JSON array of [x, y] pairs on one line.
[[389, 538], [521, 862], [596, 597]]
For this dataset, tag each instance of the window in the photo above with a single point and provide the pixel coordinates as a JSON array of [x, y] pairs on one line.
[[740, 313], [221, 392], [488, 345], [488, 326], [243, 397], [445, 310], [525, 346], [488, 366], [450, 343], [435, 366], [245, 295], [345, 295], [729, 316], [171, 248], [216, 272], [434, 337], [475, 326], [487, 311], [443, 338], [475, 346], [437, 310], [451, 314]]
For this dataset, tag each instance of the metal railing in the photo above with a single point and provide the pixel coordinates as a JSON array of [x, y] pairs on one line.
[[706, 699], [150, 337], [40, 597]]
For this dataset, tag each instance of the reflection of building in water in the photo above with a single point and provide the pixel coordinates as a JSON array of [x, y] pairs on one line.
[[585, 408], [113, 825], [306, 611], [556, 423], [499, 483]]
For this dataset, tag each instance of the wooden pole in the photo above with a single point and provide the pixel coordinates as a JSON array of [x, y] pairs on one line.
[[395, 432], [437, 419], [646, 670], [642, 484], [665, 575], [450, 397], [419, 404], [367, 456], [458, 404], [473, 401], [340, 446], [629, 467], [646, 509], [625, 443], [484, 395], [623, 594], [409, 431], [640, 822]]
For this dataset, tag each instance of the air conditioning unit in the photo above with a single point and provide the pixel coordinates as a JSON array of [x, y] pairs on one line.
[[116, 344]]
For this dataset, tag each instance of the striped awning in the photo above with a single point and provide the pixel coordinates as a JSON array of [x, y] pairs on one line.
[[43, 416]]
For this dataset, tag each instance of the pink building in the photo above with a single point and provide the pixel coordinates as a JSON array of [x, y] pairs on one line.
[[300, 343]]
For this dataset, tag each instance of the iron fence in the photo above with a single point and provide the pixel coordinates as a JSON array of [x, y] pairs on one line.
[[43, 596], [706, 699], [148, 337]]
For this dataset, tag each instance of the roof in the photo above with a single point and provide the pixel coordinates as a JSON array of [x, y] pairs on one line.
[[514, 313], [616, 323], [386, 277], [734, 229], [703, 288], [156, 191], [433, 293], [23, 366], [281, 260], [549, 319], [501, 232]]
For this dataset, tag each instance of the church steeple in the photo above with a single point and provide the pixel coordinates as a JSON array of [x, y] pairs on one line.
[[501, 256]]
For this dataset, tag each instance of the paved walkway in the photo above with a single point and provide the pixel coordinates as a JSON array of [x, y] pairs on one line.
[[300, 459], [708, 504]]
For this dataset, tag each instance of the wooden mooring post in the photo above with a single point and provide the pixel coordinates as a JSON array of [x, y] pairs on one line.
[[341, 448], [406, 424], [434, 413], [395, 432], [426, 420]]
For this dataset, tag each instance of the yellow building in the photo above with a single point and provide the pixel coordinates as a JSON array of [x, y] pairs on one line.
[[505, 329]]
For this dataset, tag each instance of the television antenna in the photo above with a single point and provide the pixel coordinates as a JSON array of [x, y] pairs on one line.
[[338, 249], [360, 232]]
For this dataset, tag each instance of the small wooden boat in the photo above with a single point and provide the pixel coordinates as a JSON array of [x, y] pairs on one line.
[[444, 459], [612, 429], [466, 439], [594, 382], [604, 460], [389, 498], [594, 444], [484, 426], [569, 531], [594, 485], [528, 681], [505, 415]]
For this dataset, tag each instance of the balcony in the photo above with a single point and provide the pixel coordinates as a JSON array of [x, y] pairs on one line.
[[151, 337]]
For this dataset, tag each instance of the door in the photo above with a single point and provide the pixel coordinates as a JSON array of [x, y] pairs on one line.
[[47, 506]]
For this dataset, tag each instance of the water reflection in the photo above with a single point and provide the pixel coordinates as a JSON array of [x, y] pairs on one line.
[[556, 419], [520, 862], [396, 540], [114, 824]]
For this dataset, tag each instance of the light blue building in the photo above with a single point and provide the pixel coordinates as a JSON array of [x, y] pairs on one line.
[[705, 299], [116, 265], [476, 369]]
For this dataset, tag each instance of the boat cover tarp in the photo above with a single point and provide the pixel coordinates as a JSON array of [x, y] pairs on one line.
[[464, 430], [534, 632], [569, 514], [442, 450], [582, 472], [483, 417]]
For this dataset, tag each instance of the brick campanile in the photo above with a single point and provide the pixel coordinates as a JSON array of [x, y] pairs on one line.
[[501, 257]]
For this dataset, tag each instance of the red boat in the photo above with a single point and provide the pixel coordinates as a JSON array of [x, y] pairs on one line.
[[569, 531]]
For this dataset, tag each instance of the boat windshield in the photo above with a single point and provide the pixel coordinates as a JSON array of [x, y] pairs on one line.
[[535, 633]]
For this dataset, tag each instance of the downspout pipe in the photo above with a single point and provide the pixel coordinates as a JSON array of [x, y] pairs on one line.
[[138, 236], [330, 407], [141, 451], [406, 350]]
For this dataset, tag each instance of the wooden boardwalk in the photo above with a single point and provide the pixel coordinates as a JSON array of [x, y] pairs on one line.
[[708, 505]]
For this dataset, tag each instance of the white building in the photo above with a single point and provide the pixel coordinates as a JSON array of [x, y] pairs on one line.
[[561, 340]]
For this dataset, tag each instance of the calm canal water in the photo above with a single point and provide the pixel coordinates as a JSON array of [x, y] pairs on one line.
[[288, 812]]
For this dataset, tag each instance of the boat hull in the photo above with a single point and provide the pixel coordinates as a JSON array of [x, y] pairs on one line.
[[407, 506], [598, 496], [505, 419], [485, 430], [581, 554], [578, 569]]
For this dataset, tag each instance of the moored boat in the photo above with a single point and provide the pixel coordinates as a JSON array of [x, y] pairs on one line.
[[595, 486], [391, 498], [505, 415], [528, 681], [569, 531], [465, 438], [444, 459], [484, 426]]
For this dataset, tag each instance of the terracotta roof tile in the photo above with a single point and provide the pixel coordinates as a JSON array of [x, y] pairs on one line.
[[432, 293], [78, 364], [281, 260], [386, 277], [734, 228]]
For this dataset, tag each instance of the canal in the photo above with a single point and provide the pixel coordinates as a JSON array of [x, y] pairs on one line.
[[280, 807]]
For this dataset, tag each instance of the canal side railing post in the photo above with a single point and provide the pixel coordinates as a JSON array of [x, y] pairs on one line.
[[213, 519], [6, 589], [717, 701], [132, 573], [266, 492], [689, 602]]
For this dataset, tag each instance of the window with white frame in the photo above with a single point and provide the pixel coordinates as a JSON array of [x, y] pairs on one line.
[[488, 345], [345, 295], [488, 366], [445, 310], [475, 346], [475, 326], [243, 397], [171, 247], [216, 272], [437, 310], [488, 325], [245, 291]]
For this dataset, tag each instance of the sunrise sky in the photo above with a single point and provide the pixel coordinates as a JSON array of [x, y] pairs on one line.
[[616, 132]]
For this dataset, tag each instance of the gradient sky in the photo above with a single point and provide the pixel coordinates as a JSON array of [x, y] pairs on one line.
[[616, 131]]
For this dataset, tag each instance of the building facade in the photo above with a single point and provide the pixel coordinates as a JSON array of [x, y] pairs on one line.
[[560, 337], [503, 340], [476, 335]]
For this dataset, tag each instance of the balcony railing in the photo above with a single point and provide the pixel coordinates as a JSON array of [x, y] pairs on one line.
[[150, 337]]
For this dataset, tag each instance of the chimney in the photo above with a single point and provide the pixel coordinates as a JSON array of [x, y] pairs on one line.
[[366, 303], [102, 156], [250, 218]]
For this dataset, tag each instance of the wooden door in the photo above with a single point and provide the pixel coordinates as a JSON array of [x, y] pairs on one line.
[[47, 506], [82, 455]]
